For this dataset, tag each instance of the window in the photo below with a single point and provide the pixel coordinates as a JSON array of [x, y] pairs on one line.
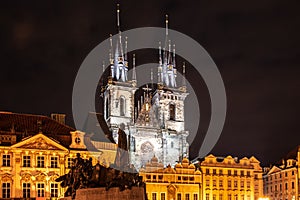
[[207, 196], [221, 197], [6, 160], [248, 173], [154, 196], [229, 172], [172, 111], [163, 196], [236, 197], [70, 162], [220, 183], [229, 196], [280, 187], [40, 161], [106, 108], [207, 171], [54, 189], [26, 190], [187, 196], [172, 144], [242, 173], [207, 182], [195, 196], [40, 190], [293, 173], [221, 172], [54, 162], [235, 184], [26, 161], [229, 183], [5, 190], [214, 183], [235, 172], [178, 196], [122, 106], [160, 177], [293, 185], [242, 183], [286, 186], [214, 197], [248, 184]]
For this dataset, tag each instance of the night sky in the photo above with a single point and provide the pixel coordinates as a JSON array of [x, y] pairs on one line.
[[255, 44]]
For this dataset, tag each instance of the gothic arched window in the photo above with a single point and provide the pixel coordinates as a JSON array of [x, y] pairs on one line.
[[172, 111], [122, 106], [106, 109]]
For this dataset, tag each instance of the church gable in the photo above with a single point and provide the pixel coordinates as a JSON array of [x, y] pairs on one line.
[[40, 142]]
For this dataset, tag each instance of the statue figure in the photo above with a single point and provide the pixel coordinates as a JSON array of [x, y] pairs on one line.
[[84, 175]]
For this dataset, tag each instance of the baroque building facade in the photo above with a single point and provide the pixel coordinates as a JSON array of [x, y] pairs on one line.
[[281, 180], [35, 150], [231, 178]]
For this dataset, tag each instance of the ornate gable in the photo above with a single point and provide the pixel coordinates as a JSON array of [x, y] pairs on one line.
[[40, 142]]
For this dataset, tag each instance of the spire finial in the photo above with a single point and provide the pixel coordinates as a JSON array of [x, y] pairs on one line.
[[151, 77], [118, 17], [133, 70], [167, 24], [111, 60], [183, 77], [125, 56], [103, 66], [174, 54]]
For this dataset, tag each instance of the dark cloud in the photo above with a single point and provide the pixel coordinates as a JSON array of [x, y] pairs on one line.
[[255, 44]]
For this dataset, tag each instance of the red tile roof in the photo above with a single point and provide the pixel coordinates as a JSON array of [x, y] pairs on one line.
[[29, 124]]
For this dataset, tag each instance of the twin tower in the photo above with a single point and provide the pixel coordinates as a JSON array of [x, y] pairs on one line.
[[155, 124]]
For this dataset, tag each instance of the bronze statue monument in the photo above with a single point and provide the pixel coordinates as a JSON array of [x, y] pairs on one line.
[[83, 174]]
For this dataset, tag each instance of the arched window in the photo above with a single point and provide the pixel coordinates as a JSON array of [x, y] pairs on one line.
[[172, 111], [122, 106], [106, 109]]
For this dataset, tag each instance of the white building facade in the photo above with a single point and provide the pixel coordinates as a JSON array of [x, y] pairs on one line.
[[155, 123]]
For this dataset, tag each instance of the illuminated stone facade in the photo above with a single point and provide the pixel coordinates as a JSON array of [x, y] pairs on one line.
[[154, 123], [178, 183], [35, 150], [231, 179], [281, 181]]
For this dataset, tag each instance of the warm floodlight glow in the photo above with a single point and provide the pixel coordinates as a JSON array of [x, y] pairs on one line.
[[264, 198]]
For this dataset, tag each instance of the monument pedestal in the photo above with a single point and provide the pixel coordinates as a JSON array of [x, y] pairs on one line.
[[136, 193]]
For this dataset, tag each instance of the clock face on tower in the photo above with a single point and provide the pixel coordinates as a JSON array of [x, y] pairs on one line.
[[77, 140]]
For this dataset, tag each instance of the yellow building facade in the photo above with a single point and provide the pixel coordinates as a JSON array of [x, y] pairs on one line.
[[183, 182], [231, 179], [30, 164]]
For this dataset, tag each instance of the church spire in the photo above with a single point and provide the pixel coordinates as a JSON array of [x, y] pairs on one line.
[[119, 68]]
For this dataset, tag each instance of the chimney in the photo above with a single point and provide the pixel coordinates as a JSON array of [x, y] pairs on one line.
[[59, 117]]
